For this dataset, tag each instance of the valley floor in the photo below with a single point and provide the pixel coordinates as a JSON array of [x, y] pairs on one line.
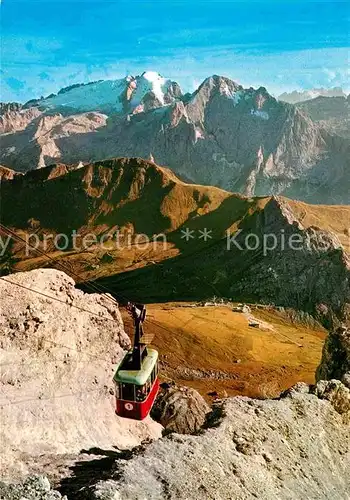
[[216, 350]]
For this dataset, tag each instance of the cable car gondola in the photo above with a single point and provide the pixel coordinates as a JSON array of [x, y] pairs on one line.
[[136, 377]]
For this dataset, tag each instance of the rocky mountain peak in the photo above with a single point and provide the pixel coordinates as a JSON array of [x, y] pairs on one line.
[[219, 82], [215, 86], [222, 134]]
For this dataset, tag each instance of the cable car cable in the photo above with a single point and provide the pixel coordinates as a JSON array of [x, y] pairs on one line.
[[70, 305], [99, 288], [41, 252]]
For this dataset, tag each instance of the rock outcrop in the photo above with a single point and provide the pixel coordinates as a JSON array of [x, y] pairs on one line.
[[6, 173], [32, 488], [335, 363]]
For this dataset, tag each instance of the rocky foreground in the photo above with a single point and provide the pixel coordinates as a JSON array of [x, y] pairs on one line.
[[296, 446], [58, 350], [292, 448]]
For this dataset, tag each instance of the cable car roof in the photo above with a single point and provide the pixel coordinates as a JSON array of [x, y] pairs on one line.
[[137, 377]]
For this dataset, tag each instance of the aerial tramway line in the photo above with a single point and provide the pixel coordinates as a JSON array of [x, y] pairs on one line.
[[136, 377]]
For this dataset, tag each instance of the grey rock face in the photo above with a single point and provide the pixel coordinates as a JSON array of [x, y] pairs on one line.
[[330, 113], [290, 448], [239, 139]]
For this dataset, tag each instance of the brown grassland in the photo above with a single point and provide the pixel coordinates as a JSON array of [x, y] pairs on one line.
[[213, 349]]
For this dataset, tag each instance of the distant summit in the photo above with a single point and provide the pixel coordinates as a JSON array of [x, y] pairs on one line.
[[305, 95], [240, 139]]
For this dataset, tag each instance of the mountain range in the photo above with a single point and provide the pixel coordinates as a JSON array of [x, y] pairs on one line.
[[305, 95], [251, 277], [222, 134], [134, 199]]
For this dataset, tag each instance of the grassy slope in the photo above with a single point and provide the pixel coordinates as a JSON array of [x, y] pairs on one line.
[[138, 196], [335, 219], [132, 196]]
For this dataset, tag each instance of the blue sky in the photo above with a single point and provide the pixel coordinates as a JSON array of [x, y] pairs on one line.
[[279, 44]]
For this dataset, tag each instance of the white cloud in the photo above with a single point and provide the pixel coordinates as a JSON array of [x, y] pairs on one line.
[[278, 72]]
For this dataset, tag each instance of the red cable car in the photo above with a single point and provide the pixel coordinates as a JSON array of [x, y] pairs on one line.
[[136, 377]]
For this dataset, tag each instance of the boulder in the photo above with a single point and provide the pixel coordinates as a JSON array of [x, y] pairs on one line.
[[180, 409], [335, 392]]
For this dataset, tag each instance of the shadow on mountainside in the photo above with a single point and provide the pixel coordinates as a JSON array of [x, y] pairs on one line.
[[85, 473]]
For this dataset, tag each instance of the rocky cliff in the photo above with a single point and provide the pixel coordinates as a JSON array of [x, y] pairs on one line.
[[57, 345], [239, 139], [258, 261]]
